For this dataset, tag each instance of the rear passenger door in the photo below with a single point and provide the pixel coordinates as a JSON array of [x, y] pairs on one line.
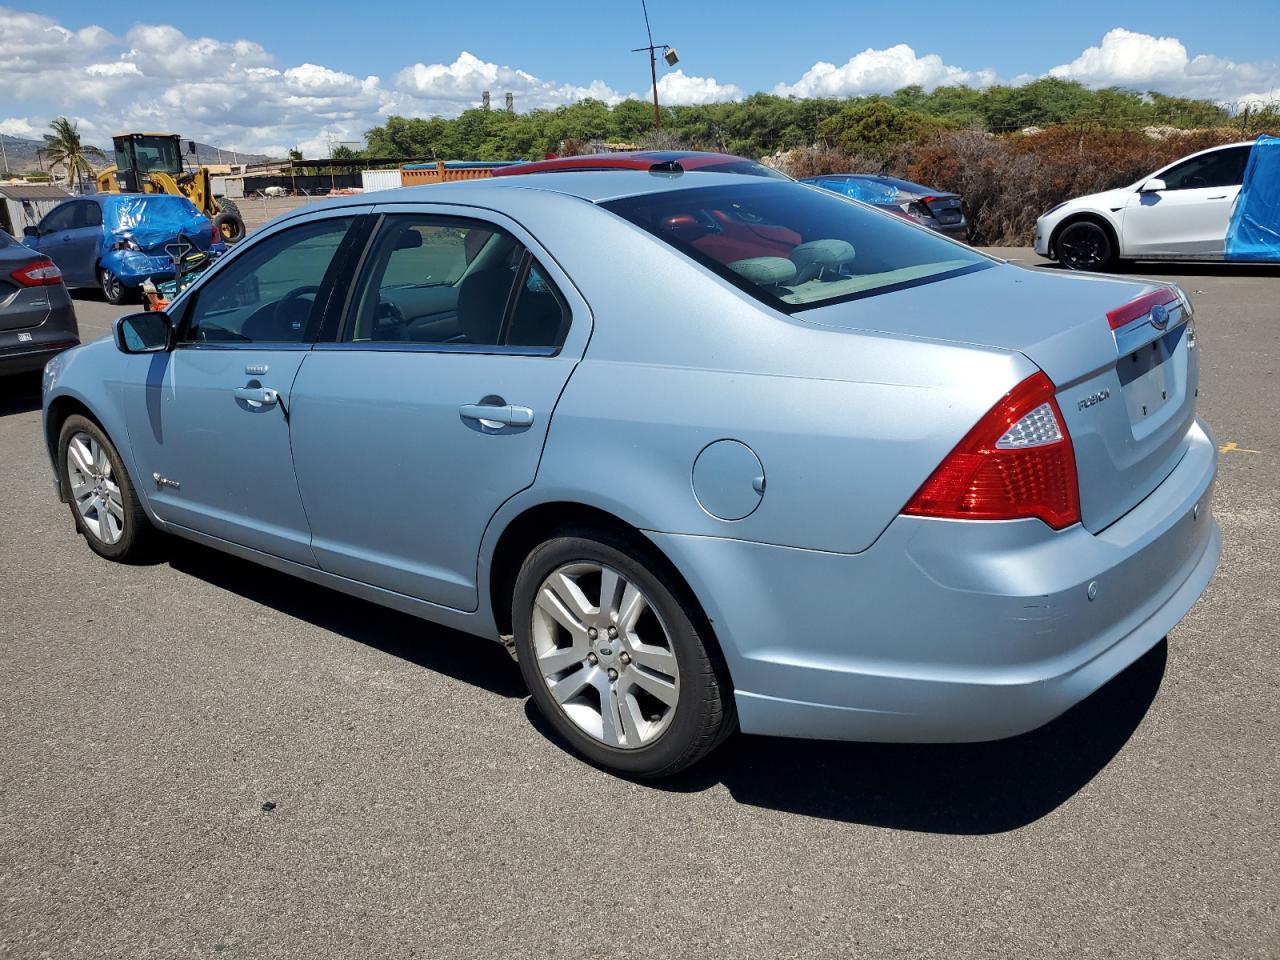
[[431, 407]]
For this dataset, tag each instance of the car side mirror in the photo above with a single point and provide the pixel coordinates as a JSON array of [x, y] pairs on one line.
[[1154, 185], [150, 332], [31, 231]]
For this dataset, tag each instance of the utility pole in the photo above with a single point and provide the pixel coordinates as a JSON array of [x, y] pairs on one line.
[[668, 54], [4, 155]]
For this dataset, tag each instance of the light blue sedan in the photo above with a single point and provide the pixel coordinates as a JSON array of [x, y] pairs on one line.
[[706, 452]]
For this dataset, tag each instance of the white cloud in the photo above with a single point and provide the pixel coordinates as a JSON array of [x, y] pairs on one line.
[[452, 87], [881, 71], [1141, 61], [22, 127], [677, 88], [232, 93]]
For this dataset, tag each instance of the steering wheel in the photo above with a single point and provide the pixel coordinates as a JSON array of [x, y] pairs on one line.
[[284, 305]]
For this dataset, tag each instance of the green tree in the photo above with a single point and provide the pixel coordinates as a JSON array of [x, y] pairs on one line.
[[64, 149], [875, 127]]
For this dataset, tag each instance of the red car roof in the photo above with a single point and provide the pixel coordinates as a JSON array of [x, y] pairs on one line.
[[624, 160]]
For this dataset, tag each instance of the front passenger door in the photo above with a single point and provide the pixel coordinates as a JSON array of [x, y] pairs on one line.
[[1189, 217], [210, 426]]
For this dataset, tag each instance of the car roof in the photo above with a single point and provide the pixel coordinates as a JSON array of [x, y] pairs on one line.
[[624, 160], [594, 186]]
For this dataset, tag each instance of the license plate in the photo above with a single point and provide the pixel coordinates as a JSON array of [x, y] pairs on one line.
[[1145, 376]]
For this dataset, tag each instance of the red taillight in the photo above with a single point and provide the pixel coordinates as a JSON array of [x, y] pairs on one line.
[[215, 235], [1016, 462], [42, 273], [1140, 307]]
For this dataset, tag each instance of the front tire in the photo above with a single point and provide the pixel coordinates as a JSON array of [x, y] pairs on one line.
[[612, 656], [103, 500], [1085, 245]]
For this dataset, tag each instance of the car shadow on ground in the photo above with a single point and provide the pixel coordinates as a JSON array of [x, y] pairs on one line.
[[944, 788], [449, 652], [1171, 268], [965, 789], [19, 393]]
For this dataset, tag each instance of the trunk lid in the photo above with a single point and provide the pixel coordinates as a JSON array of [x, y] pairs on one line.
[[1128, 396], [945, 208]]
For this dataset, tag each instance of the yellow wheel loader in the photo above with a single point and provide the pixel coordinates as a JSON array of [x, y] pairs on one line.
[[152, 163]]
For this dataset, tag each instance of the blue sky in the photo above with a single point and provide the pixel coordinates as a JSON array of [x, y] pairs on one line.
[[260, 75]]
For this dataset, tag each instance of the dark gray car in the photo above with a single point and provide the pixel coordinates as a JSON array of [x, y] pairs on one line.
[[37, 318]]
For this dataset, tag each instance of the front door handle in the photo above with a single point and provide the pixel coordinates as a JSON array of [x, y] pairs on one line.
[[1220, 196], [497, 416], [262, 396]]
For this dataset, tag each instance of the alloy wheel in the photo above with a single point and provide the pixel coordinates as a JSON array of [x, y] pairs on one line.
[[605, 655], [93, 488], [112, 288], [1084, 247]]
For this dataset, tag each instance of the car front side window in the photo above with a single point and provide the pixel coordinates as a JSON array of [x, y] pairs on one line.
[[58, 219], [1222, 168], [271, 292]]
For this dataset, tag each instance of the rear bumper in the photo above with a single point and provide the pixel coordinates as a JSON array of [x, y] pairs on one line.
[[953, 631], [34, 357], [957, 231], [22, 351]]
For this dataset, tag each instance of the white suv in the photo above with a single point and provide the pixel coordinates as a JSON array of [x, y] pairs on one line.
[[1180, 212]]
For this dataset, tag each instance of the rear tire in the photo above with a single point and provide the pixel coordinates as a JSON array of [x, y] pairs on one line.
[[1085, 245], [101, 495], [113, 290], [634, 654]]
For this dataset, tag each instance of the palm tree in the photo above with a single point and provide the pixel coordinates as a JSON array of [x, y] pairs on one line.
[[63, 147]]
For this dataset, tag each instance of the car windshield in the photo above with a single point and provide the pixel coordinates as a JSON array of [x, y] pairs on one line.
[[794, 247]]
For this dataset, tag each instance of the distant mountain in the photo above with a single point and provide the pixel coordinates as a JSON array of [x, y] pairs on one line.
[[20, 154]]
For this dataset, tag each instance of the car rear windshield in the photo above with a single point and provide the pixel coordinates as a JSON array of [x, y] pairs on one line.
[[6, 240], [794, 247]]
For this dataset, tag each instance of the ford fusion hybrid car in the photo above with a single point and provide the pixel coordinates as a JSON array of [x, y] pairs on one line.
[[706, 452]]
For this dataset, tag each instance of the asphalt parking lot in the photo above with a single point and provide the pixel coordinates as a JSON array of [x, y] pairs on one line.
[[205, 758]]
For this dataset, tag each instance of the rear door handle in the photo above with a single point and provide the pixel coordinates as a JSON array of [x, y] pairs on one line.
[[495, 417], [263, 396], [1221, 196]]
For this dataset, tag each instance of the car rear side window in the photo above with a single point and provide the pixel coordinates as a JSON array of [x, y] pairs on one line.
[[270, 292], [454, 282], [1222, 168], [794, 247]]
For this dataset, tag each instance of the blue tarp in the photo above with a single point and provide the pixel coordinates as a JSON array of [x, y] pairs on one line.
[[868, 191], [151, 221], [1254, 232]]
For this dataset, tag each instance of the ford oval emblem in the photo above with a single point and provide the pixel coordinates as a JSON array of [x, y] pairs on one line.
[[1159, 316]]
